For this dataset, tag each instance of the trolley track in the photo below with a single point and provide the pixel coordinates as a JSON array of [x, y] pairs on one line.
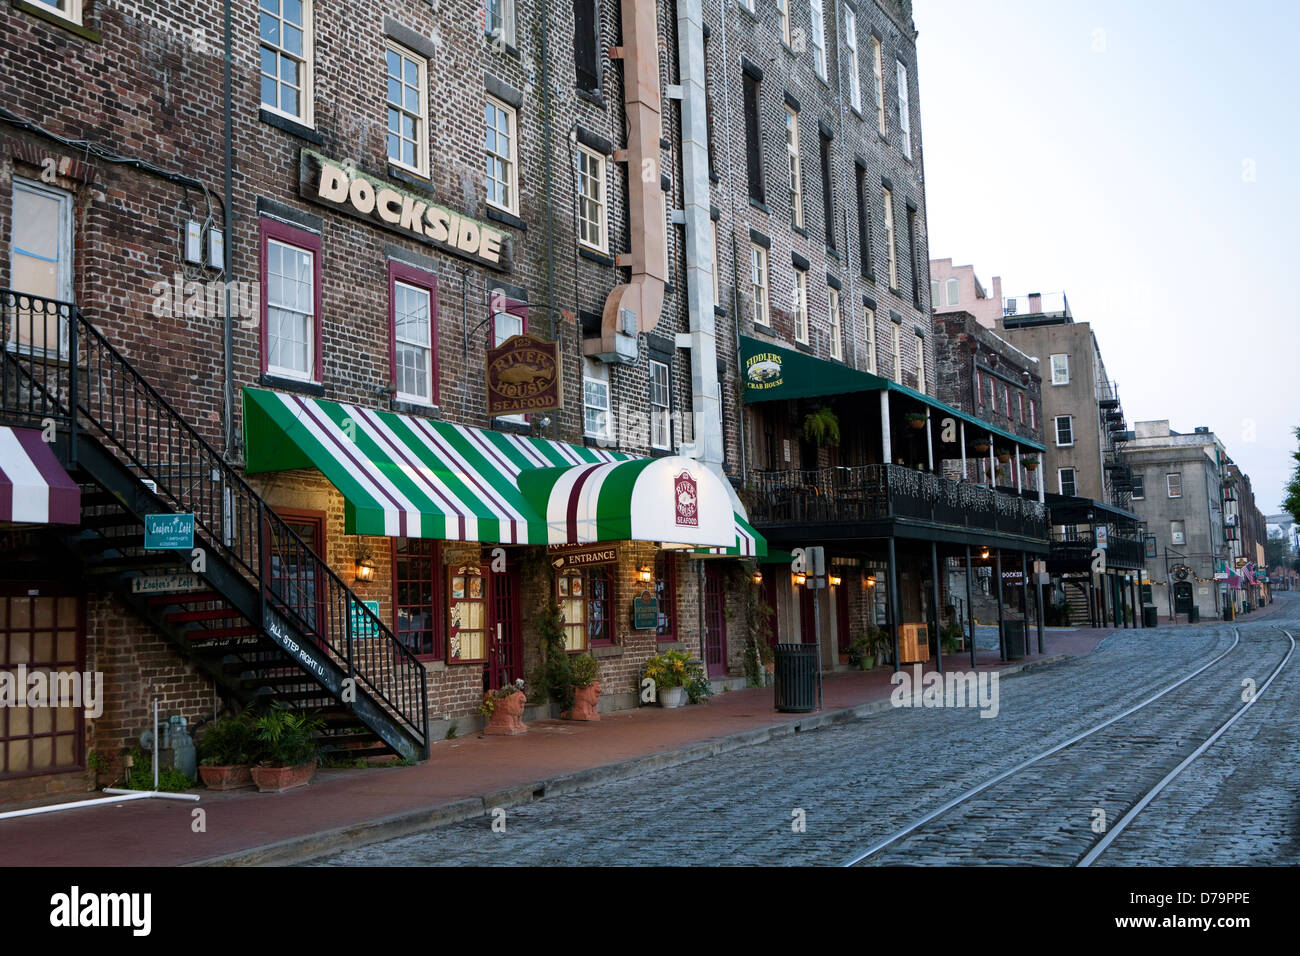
[[1044, 808]]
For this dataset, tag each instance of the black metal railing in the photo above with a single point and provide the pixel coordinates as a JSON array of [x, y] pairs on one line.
[[870, 492], [55, 361], [1076, 545]]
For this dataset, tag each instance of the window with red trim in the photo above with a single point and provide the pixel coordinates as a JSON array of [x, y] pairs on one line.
[[413, 333], [586, 599], [467, 613], [290, 270], [417, 594], [666, 592]]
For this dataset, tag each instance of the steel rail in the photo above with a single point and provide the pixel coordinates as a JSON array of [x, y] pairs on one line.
[[993, 781], [1124, 821]]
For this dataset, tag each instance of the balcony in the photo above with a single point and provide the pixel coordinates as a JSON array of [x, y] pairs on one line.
[[866, 494], [1072, 550]]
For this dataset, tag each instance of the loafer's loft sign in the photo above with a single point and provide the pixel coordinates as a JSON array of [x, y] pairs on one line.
[[345, 188]]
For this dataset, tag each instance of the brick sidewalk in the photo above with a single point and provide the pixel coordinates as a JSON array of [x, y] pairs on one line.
[[461, 779]]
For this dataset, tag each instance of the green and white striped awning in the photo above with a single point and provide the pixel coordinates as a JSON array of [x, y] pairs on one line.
[[749, 543], [407, 476]]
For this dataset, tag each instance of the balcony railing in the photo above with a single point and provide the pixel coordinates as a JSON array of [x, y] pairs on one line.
[[882, 492], [1124, 551]]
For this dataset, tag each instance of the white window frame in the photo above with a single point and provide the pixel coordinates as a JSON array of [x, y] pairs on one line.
[[818, 17], [1033, 414], [904, 110], [306, 114], [1178, 537], [421, 166], [602, 382], [952, 292], [310, 317], [747, 5], [1074, 482], [717, 264], [851, 41], [783, 11], [878, 67], [517, 325], [1139, 484], [599, 201], [869, 320], [1061, 370], [833, 317], [799, 305], [795, 167], [920, 364], [1056, 426], [890, 236], [72, 14], [414, 397], [898, 353], [63, 290], [510, 161], [660, 405], [935, 300], [503, 32], [1174, 479], [760, 278]]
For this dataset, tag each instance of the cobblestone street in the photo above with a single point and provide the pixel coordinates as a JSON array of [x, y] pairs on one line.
[[858, 783]]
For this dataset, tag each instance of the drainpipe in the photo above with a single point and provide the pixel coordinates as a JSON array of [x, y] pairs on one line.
[[546, 179], [228, 329], [701, 340]]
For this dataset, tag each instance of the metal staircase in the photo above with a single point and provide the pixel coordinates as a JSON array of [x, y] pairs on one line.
[[252, 606]]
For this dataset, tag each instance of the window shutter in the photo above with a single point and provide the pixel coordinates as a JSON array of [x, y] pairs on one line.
[[586, 48], [753, 152]]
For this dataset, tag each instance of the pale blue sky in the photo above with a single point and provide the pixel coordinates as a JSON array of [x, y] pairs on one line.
[[1107, 149]]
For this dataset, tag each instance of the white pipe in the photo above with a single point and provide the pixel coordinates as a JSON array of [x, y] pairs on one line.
[[156, 793], [122, 797]]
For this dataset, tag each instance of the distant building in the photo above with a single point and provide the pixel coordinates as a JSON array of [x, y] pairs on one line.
[[958, 289]]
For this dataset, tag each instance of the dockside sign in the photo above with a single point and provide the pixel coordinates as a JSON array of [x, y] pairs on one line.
[[348, 190]]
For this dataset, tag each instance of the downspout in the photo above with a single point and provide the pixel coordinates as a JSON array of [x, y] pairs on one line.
[[227, 332], [699, 254], [847, 320], [735, 251], [643, 296], [546, 177]]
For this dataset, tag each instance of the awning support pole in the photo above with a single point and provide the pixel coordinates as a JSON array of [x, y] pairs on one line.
[[997, 588], [970, 617], [929, 441], [965, 465], [885, 448], [938, 637], [893, 598]]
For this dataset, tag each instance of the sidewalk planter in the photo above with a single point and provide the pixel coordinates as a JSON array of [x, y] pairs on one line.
[[671, 696], [506, 719], [234, 777], [584, 702], [280, 779]]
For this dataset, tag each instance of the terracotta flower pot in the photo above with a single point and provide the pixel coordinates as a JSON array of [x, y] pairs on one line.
[[844, 658], [1031, 466], [917, 423], [231, 777], [280, 779], [980, 449], [507, 717], [1004, 457], [584, 703]]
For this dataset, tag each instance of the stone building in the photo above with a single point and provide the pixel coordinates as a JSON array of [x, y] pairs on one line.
[[958, 289], [287, 281]]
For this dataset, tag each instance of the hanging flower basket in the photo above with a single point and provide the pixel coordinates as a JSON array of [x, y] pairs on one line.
[[1031, 464], [980, 446], [915, 420], [1004, 455]]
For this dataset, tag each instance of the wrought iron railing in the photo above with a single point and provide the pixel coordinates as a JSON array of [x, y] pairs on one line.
[[56, 361], [870, 492], [1076, 545]]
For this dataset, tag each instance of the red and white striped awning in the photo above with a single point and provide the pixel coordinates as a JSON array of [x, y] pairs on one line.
[[34, 488]]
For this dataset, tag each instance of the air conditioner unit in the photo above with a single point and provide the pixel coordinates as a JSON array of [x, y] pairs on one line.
[[913, 643]]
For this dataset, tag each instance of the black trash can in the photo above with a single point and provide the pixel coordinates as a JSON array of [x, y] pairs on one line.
[[1193, 615], [1015, 639], [795, 678], [1150, 615]]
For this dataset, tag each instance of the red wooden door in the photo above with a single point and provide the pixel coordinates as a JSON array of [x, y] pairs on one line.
[[807, 624], [505, 637], [769, 598], [715, 623]]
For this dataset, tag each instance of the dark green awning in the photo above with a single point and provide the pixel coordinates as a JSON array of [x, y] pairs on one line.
[[773, 373]]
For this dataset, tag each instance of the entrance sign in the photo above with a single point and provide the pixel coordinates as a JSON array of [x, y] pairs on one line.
[[562, 556], [168, 532]]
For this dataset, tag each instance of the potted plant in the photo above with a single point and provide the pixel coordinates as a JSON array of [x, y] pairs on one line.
[[980, 446], [950, 637], [1004, 455], [586, 688], [504, 709], [915, 420], [822, 427], [1030, 462], [287, 749], [226, 753], [698, 687], [880, 644], [669, 673], [860, 653]]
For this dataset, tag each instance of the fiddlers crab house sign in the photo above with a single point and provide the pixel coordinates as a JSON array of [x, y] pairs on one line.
[[343, 187]]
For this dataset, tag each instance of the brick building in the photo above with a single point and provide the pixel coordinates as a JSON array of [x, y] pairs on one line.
[[285, 327]]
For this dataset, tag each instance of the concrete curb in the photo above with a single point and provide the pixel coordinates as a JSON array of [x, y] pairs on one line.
[[305, 848]]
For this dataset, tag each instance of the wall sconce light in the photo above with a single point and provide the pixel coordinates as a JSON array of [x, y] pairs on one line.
[[365, 569], [758, 577], [836, 580], [645, 575], [801, 579], [871, 580], [984, 554]]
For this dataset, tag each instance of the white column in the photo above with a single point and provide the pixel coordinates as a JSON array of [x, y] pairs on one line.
[[965, 471], [885, 446], [1018, 482], [993, 464], [1041, 469], [929, 441]]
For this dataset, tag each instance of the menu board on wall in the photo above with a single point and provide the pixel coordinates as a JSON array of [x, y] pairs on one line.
[[467, 614]]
